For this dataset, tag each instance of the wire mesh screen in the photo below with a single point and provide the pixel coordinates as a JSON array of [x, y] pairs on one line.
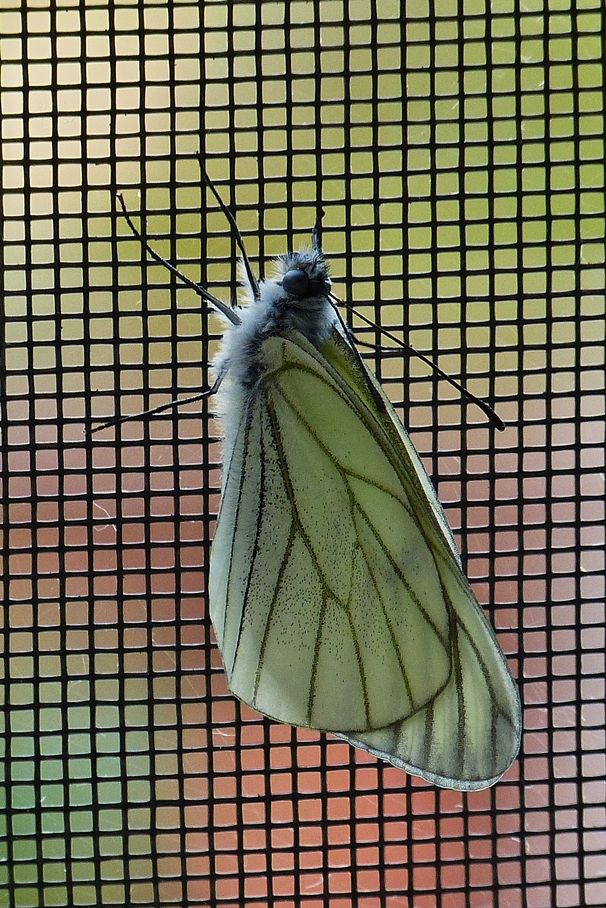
[[457, 150]]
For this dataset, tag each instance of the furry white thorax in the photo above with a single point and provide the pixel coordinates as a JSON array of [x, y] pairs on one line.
[[276, 312]]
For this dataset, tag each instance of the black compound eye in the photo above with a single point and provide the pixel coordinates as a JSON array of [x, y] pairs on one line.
[[296, 282]]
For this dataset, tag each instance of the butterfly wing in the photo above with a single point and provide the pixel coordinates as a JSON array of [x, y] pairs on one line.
[[335, 587], [471, 733]]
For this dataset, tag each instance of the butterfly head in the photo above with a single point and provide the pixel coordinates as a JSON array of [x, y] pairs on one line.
[[304, 275], [297, 297]]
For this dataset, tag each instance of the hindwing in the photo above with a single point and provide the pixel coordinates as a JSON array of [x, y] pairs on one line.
[[336, 591]]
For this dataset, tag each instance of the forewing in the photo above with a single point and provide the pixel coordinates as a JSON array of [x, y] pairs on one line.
[[347, 362], [470, 734]]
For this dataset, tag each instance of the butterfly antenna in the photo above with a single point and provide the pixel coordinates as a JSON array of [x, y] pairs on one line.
[[218, 304], [227, 311], [252, 280], [316, 233], [489, 412]]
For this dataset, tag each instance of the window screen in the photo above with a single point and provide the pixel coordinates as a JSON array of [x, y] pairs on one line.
[[457, 150]]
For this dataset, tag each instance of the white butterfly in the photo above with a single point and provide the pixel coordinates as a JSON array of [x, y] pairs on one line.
[[336, 590]]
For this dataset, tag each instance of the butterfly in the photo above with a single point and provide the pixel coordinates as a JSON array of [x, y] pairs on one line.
[[336, 590]]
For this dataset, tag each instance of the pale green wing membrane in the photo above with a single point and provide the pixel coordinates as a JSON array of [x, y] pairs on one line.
[[471, 733], [323, 588], [346, 360], [336, 592]]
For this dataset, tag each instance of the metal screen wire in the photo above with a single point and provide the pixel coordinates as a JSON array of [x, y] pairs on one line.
[[457, 149]]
